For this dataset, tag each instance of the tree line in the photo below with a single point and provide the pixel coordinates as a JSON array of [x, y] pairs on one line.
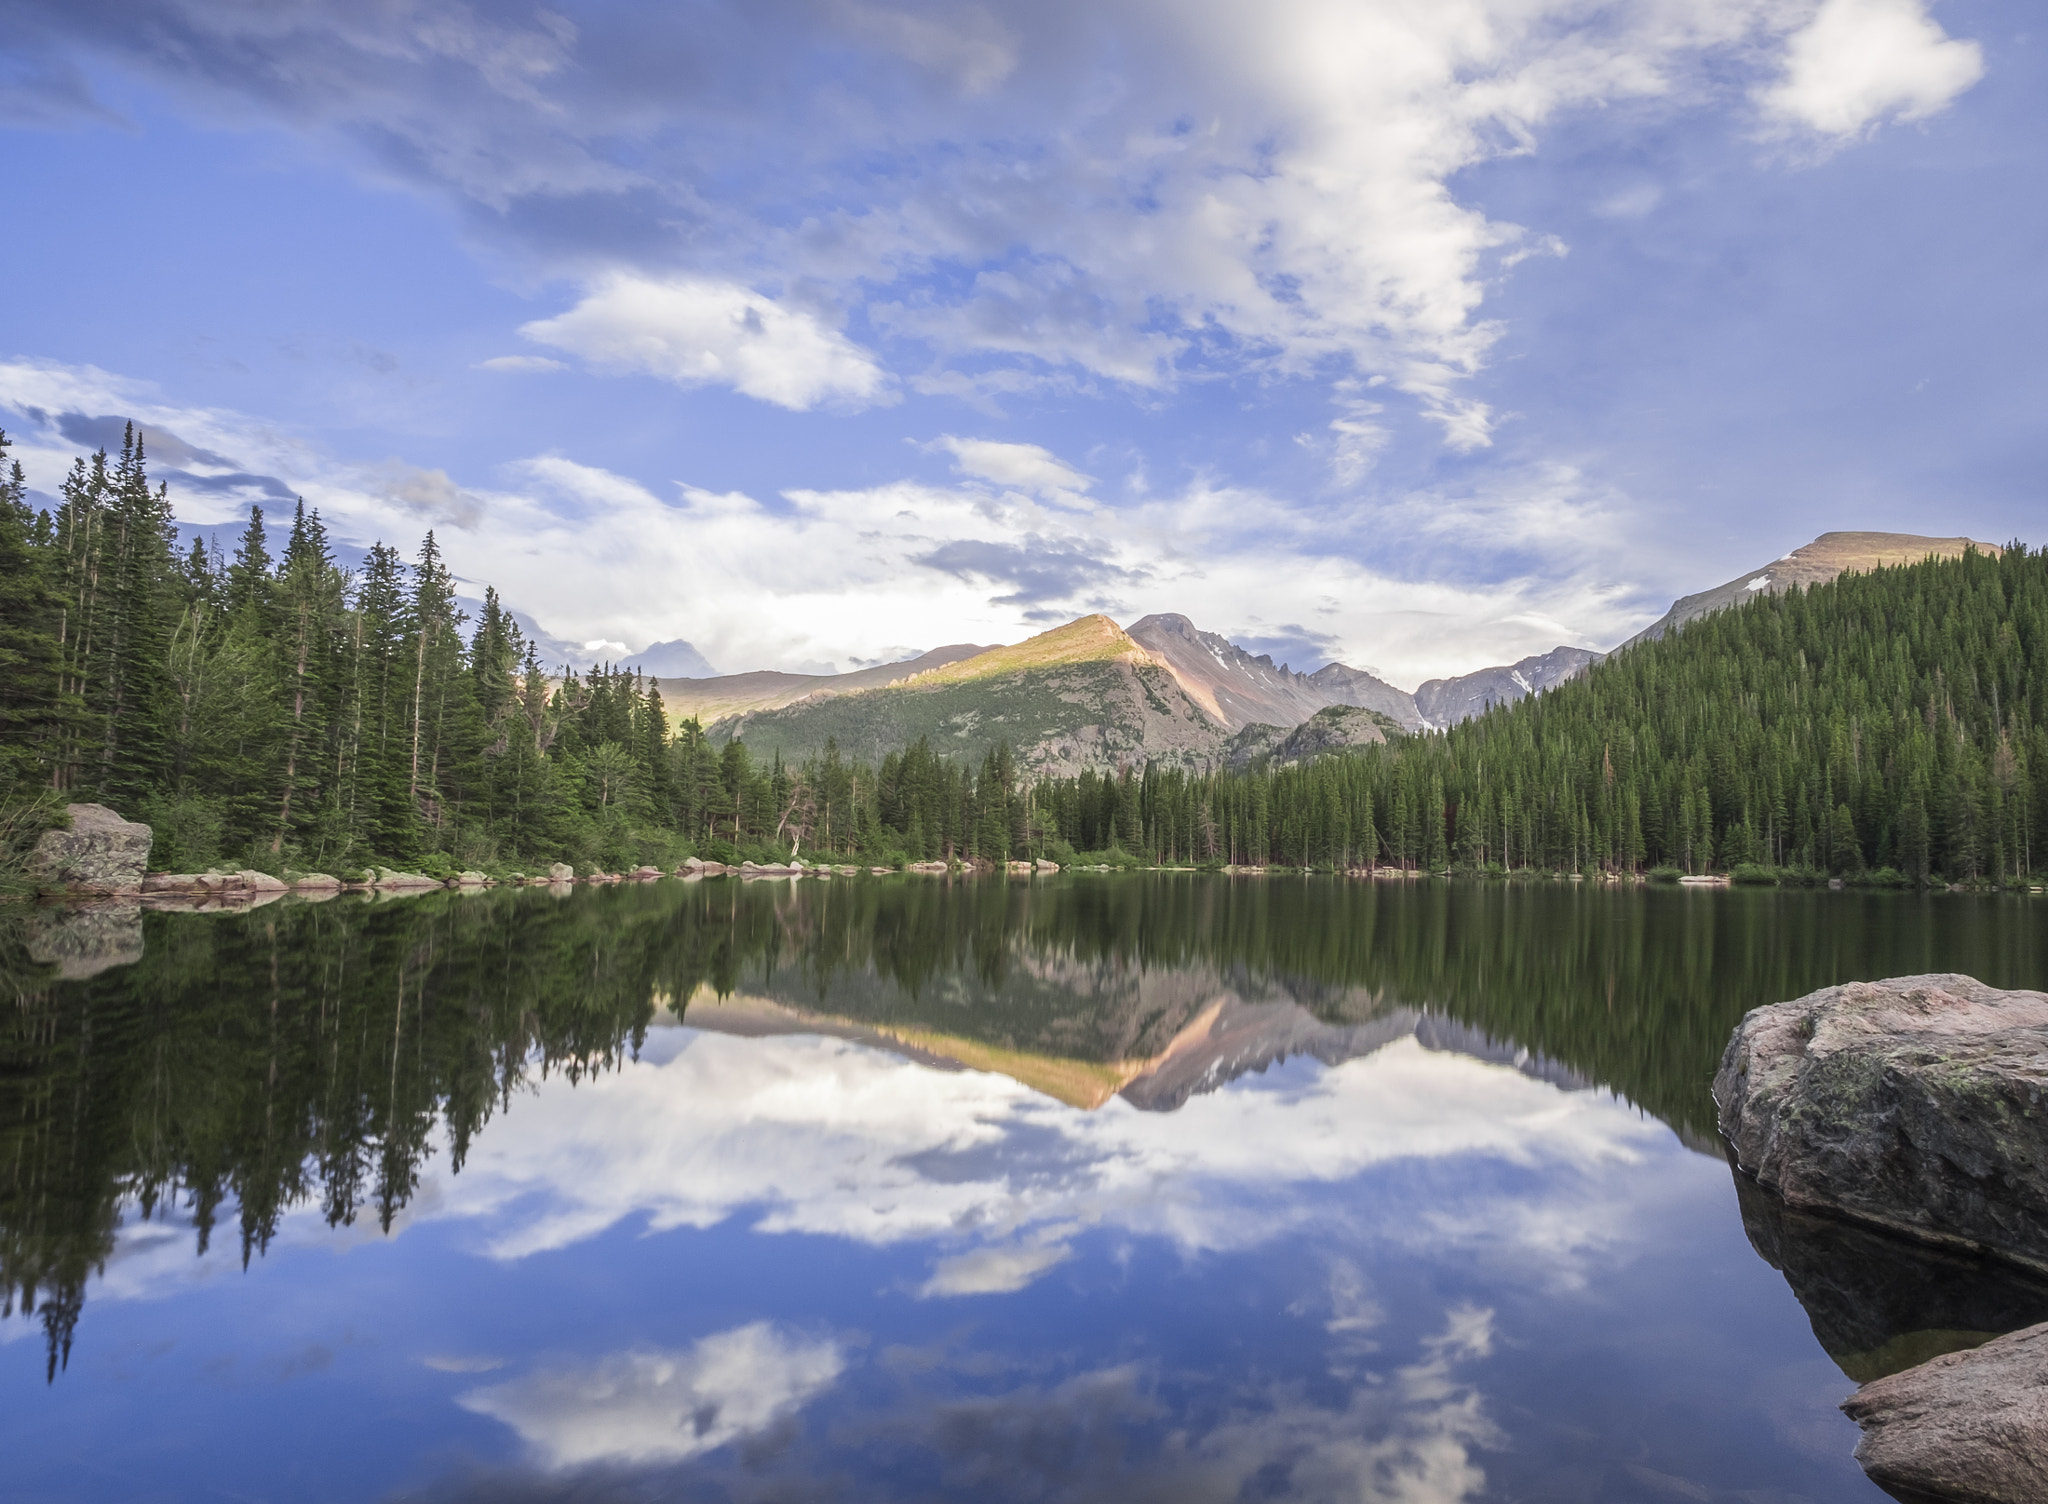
[[282, 712], [1890, 722], [287, 713]]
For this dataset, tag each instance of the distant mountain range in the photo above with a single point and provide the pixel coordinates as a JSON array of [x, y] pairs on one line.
[[1091, 694]]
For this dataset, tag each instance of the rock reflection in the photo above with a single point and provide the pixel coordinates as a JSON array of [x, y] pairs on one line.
[[83, 940], [1881, 1303]]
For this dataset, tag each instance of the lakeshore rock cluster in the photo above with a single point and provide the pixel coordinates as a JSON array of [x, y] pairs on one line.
[[1916, 1105], [102, 857]]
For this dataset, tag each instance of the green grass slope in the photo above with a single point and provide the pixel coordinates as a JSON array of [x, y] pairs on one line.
[[1060, 718]]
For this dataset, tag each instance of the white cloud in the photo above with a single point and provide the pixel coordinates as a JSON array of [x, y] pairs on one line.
[[1026, 466], [430, 495], [968, 44], [1529, 559], [1131, 191], [1360, 435], [1632, 202], [655, 1407], [1861, 61], [698, 332], [520, 363]]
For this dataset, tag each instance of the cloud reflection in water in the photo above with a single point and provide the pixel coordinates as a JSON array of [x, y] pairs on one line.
[[818, 1136], [655, 1407]]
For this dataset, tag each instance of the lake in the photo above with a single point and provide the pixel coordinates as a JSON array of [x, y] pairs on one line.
[[1092, 1187]]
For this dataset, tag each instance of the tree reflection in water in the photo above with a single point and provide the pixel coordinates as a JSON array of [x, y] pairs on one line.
[[321, 1051]]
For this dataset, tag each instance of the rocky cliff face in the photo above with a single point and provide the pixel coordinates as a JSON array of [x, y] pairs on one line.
[[1334, 728], [1057, 719], [1242, 690], [1354, 686]]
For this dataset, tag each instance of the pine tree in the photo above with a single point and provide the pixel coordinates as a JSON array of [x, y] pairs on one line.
[[35, 710], [310, 596]]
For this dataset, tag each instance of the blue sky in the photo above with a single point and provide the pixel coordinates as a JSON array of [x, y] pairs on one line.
[[822, 331]]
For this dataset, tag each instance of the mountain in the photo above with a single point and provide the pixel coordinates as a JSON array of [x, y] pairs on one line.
[[1334, 728], [1828, 555], [1445, 702], [663, 660], [658, 660], [1090, 694], [1084, 695], [1240, 690], [1087, 694], [1354, 686], [710, 698]]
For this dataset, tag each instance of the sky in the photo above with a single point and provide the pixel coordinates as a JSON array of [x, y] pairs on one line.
[[817, 333]]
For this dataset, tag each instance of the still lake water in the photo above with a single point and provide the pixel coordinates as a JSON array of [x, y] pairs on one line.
[[1091, 1188]]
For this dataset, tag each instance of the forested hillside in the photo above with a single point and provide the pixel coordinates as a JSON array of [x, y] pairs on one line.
[[1890, 719], [281, 712]]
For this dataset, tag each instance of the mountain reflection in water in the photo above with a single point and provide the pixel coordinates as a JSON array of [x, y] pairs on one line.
[[896, 1066]]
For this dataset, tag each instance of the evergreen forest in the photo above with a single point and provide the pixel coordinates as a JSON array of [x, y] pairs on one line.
[[278, 711]]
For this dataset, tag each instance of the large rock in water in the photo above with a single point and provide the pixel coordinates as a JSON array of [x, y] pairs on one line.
[[1970, 1427], [1918, 1103], [101, 853]]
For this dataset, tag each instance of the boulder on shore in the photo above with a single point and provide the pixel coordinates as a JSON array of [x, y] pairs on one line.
[[100, 854], [1917, 1103], [1970, 1426], [386, 878], [561, 872]]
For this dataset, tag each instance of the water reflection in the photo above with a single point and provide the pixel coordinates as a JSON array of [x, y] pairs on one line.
[[1881, 1303], [313, 1052], [1099, 1188]]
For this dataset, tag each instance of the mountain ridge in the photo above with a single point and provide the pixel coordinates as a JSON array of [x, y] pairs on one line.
[[1826, 557], [1445, 702], [1082, 695], [1090, 693], [1243, 690]]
